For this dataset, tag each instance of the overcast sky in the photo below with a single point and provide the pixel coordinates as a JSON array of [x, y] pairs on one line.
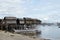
[[45, 10]]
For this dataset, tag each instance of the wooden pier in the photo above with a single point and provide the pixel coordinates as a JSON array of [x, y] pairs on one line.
[[28, 32]]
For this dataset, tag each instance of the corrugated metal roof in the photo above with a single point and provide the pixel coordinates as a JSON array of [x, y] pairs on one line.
[[10, 17]]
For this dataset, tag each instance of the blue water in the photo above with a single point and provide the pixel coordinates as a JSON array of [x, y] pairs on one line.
[[49, 32]]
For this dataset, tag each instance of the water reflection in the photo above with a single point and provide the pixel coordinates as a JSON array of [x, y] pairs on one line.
[[51, 32]]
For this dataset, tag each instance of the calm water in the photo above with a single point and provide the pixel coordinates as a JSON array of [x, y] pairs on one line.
[[50, 32]]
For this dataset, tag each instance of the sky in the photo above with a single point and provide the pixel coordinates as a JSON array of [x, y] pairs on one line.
[[45, 10]]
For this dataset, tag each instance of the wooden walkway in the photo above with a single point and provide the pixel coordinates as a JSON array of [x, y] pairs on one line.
[[32, 31]]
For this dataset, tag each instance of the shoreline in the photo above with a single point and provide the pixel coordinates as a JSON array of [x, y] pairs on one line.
[[13, 36]]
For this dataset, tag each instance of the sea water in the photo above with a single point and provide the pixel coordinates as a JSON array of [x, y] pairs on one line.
[[49, 32]]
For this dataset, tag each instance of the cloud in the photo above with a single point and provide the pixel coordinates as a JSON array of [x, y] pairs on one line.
[[40, 9], [11, 7]]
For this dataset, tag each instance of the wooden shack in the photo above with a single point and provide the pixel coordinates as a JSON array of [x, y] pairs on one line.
[[36, 21], [20, 24], [25, 23], [10, 22], [28, 23], [32, 21]]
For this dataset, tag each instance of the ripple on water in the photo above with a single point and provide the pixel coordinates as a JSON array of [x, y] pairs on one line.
[[51, 32]]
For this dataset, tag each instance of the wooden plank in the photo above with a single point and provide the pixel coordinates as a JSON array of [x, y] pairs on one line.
[[26, 31], [10, 21]]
